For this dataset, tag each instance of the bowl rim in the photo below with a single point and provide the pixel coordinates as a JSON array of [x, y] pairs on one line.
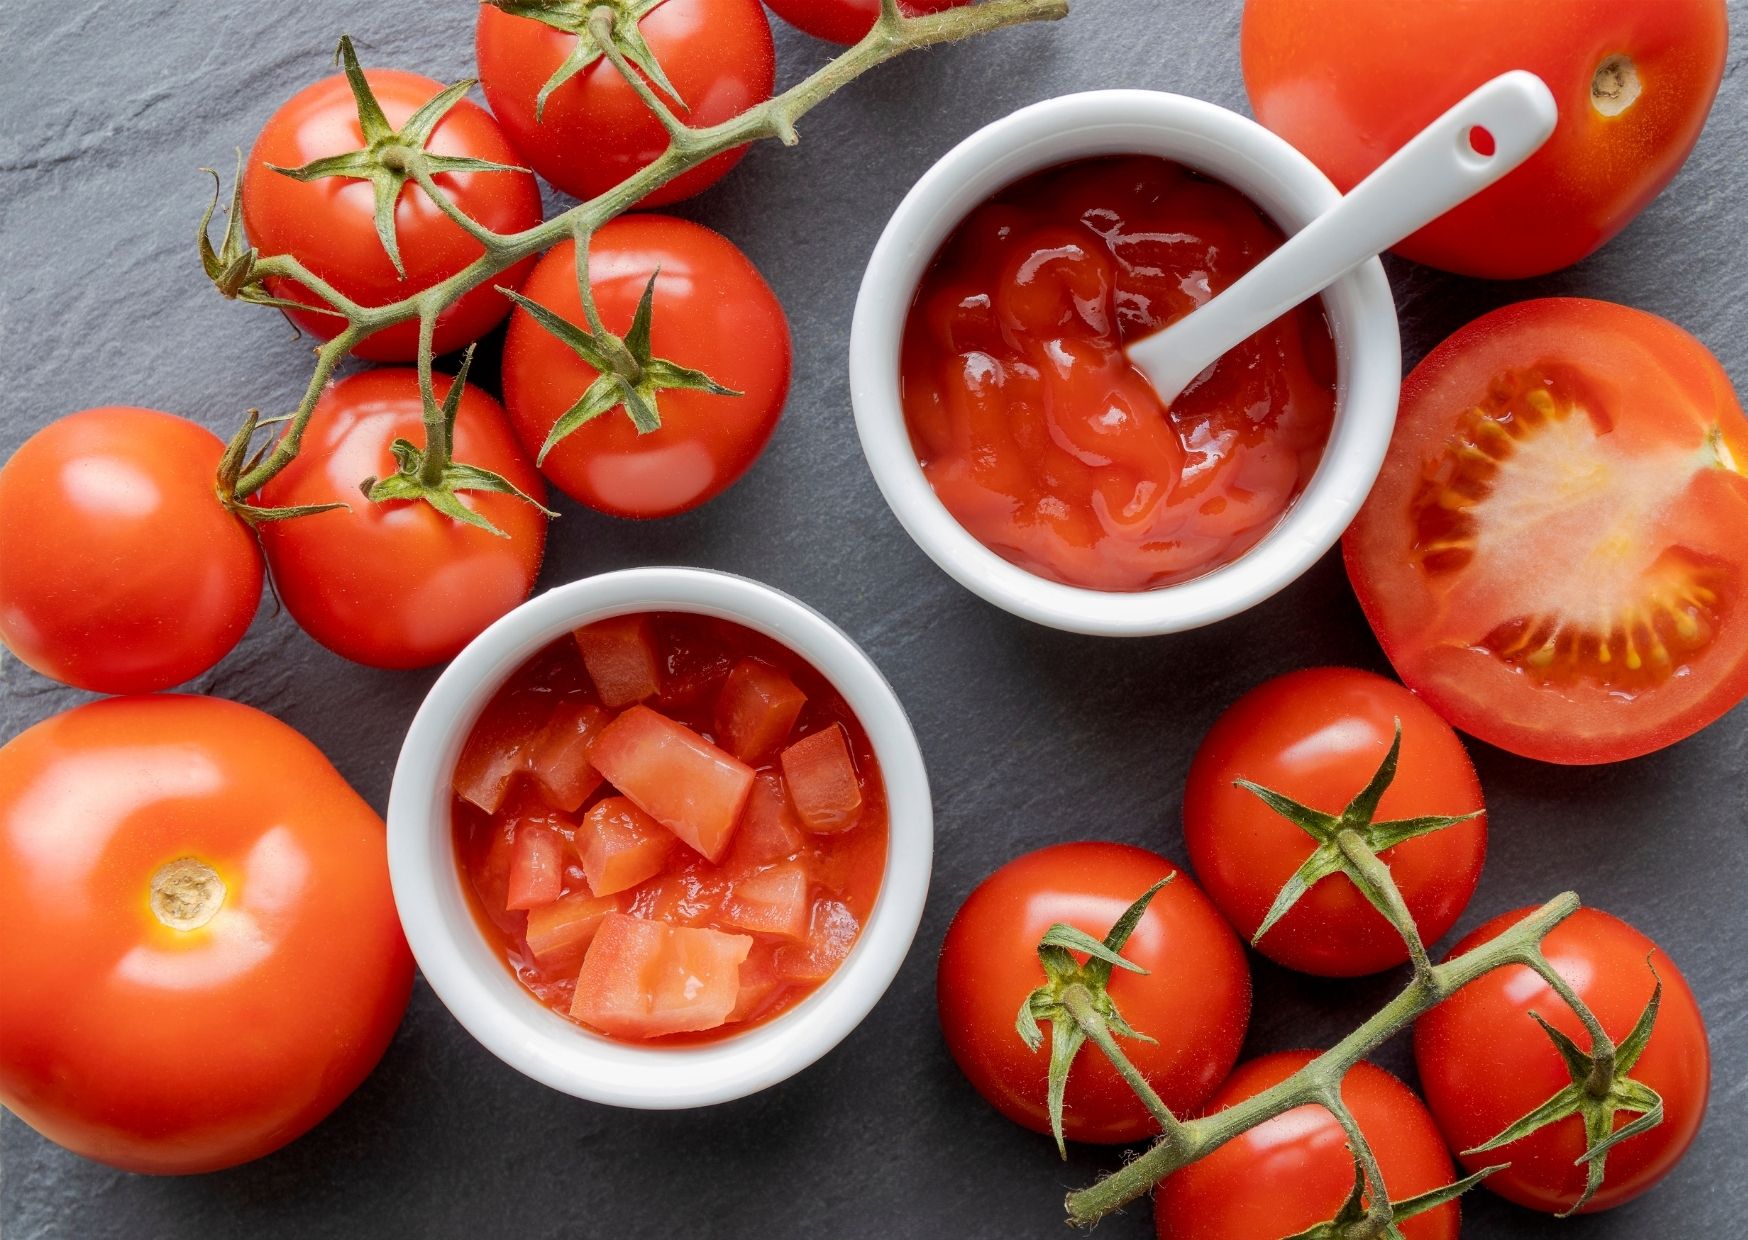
[[469, 976], [1223, 144]]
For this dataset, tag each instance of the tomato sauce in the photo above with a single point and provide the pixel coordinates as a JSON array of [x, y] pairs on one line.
[[673, 827], [1040, 437]]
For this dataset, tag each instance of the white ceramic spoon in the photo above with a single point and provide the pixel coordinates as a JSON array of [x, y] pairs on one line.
[[1440, 167]]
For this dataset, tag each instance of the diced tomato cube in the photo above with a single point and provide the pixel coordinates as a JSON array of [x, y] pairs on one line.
[[675, 776], [621, 659], [822, 780], [558, 760], [772, 901], [759, 984], [491, 872], [643, 979], [831, 932], [621, 845], [756, 709], [695, 664], [536, 867], [769, 829], [498, 748], [559, 933]]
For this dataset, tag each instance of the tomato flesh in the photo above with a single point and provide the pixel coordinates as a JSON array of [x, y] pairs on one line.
[[621, 846], [643, 979], [772, 901], [757, 710], [675, 776], [558, 760], [822, 782], [621, 657], [1030, 423], [769, 828], [536, 868], [559, 933]]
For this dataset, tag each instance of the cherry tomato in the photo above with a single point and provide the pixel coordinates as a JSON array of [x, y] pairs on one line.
[[1553, 554], [595, 132], [1195, 998], [213, 961], [1294, 1171], [1484, 1063], [329, 224], [120, 571], [397, 584], [1318, 736], [846, 21], [1350, 81], [713, 312]]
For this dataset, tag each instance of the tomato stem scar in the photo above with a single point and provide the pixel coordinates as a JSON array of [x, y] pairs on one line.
[[187, 893], [1616, 85]]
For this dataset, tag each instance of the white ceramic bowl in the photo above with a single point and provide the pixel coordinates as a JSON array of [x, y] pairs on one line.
[[1226, 146], [468, 973]]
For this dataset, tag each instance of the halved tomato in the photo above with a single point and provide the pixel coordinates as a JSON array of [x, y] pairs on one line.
[[1554, 555]]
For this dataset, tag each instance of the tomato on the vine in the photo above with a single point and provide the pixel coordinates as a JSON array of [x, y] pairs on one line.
[[1553, 554], [712, 313], [1194, 998], [120, 570], [204, 958], [1485, 1063], [329, 222], [846, 21], [396, 583], [592, 132], [1295, 1171], [1318, 737], [1350, 81]]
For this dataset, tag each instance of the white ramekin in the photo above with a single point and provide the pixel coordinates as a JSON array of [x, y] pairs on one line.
[[1226, 146], [468, 973]]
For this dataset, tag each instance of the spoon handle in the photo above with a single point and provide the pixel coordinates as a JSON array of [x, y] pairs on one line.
[[1485, 136]]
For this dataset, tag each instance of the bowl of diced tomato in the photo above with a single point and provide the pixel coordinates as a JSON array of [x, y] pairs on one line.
[[660, 838]]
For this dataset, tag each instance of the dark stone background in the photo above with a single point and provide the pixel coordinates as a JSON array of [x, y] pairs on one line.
[[1031, 736]]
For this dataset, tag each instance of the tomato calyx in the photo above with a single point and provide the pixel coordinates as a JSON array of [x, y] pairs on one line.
[[231, 265], [602, 28], [629, 374], [1349, 843], [1358, 1220], [390, 157], [241, 459], [1601, 1089]]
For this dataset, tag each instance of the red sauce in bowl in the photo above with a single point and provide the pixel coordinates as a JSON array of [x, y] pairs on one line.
[[1036, 432]]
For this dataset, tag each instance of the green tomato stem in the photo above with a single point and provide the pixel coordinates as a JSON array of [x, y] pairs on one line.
[[1079, 1002]]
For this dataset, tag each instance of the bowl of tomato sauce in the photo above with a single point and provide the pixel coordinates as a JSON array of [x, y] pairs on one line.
[[1007, 429], [660, 838]]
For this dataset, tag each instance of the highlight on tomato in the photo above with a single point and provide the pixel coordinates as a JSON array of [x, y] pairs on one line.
[[330, 183], [1513, 1076], [1289, 768], [1553, 554], [576, 120], [120, 570], [213, 961], [1295, 1171], [1350, 81], [408, 579], [1186, 984], [677, 402], [846, 21]]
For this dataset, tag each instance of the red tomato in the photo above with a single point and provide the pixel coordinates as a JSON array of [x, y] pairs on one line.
[[1553, 554], [1195, 998], [120, 572], [1350, 81], [846, 21], [1293, 1172], [398, 584], [329, 224], [1484, 1064], [713, 312], [213, 961], [595, 132], [1037, 433], [1318, 737]]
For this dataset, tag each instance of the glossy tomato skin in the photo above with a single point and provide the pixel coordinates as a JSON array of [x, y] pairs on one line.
[[1556, 461], [398, 584], [177, 1051], [120, 571], [1295, 1171], [595, 131], [1195, 999], [1318, 737], [846, 21], [1484, 1063], [329, 223], [713, 312], [1350, 81]]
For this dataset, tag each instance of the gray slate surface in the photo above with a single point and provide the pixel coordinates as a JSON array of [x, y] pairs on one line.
[[1031, 736]]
